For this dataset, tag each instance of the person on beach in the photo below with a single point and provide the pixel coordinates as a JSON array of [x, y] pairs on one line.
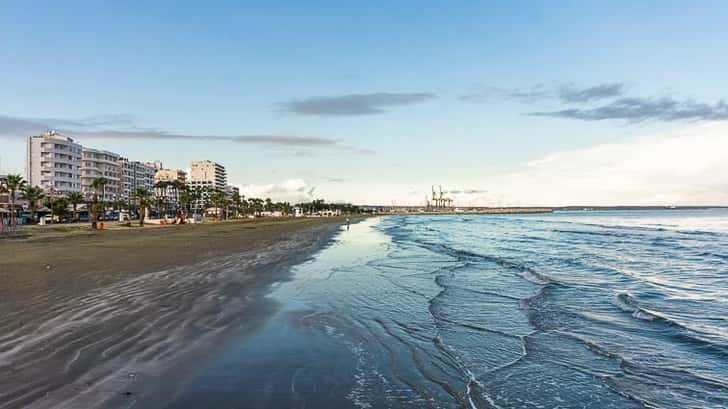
[[348, 222]]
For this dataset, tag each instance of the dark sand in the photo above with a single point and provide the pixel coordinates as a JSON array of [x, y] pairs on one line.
[[121, 318]]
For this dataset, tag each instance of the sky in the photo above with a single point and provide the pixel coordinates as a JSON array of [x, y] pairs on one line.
[[518, 103]]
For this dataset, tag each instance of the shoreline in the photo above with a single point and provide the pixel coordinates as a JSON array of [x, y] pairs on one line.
[[85, 333], [50, 260]]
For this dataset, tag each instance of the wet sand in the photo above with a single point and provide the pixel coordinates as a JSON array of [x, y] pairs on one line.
[[122, 318]]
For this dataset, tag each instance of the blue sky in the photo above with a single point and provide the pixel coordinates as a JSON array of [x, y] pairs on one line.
[[375, 102]]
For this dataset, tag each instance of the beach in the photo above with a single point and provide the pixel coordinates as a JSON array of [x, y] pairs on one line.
[[101, 319], [613, 309], [609, 309]]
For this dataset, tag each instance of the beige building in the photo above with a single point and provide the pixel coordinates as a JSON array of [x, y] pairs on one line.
[[53, 163], [170, 194], [170, 175], [206, 173]]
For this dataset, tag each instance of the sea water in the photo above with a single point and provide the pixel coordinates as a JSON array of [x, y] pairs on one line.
[[572, 309]]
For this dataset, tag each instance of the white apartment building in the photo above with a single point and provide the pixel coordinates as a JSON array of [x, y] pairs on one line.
[[53, 163], [134, 175], [98, 163], [232, 192], [207, 175]]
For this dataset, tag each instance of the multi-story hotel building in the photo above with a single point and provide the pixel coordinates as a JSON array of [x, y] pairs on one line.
[[170, 175], [53, 163], [209, 176], [98, 163], [232, 192], [206, 173], [4, 196], [134, 175]]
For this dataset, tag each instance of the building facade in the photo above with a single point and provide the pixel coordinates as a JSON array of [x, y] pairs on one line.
[[170, 194], [54, 163], [206, 173], [134, 175], [4, 196], [170, 175], [232, 192], [98, 163], [207, 176]]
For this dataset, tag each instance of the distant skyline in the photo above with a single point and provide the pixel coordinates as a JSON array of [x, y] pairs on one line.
[[505, 103]]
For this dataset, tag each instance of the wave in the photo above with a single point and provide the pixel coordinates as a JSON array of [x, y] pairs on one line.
[[523, 270], [685, 332], [714, 255], [683, 380], [591, 233], [536, 278]]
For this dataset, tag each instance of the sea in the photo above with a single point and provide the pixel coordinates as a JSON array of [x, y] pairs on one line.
[[592, 309]]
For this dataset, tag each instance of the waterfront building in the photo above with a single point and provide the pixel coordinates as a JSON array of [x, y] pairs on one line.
[[231, 192], [170, 194], [170, 175], [134, 175], [53, 163], [4, 196], [98, 163], [208, 176]]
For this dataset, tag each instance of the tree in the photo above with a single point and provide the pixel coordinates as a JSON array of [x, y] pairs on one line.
[[256, 205], [219, 200], [13, 185], [244, 205], [205, 196], [143, 199], [186, 197], [74, 198], [59, 207], [178, 187], [33, 195], [97, 185], [162, 189], [285, 208], [237, 203], [196, 195]]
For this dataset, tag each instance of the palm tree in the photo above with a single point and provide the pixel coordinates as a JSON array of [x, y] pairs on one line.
[[13, 184], [204, 195], [286, 208], [185, 197], [96, 185], [144, 200], [237, 203], [33, 195], [161, 189], [195, 196], [178, 187], [74, 198], [59, 207], [219, 200], [256, 205]]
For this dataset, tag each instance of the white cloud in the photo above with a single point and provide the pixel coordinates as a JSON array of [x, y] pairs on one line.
[[687, 167], [291, 190], [682, 168]]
